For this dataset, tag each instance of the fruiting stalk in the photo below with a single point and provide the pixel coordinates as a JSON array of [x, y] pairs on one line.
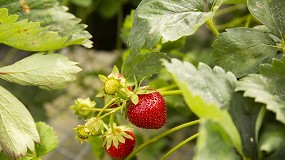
[[170, 93], [111, 122], [167, 88], [161, 135], [180, 145], [107, 114], [106, 106]]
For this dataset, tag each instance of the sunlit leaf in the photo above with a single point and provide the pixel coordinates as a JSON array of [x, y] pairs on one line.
[[166, 20], [50, 71], [54, 16], [17, 127], [267, 87], [208, 93]]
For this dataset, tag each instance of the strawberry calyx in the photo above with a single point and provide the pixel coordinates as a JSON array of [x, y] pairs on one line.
[[96, 126], [82, 133], [82, 107], [118, 134]]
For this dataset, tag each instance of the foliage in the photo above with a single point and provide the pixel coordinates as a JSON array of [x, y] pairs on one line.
[[33, 27]]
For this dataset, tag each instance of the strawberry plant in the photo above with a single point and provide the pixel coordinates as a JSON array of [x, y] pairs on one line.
[[239, 101]]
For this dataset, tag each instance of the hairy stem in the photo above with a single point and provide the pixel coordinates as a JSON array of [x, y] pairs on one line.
[[180, 145], [163, 134]]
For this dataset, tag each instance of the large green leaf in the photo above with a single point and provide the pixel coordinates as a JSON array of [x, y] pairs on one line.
[[270, 13], [272, 141], [208, 93], [214, 143], [267, 87], [27, 35], [50, 71], [50, 14], [242, 50], [166, 20], [48, 138], [17, 127], [141, 65]]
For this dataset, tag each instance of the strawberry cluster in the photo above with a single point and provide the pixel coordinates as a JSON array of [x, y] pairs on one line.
[[142, 106]]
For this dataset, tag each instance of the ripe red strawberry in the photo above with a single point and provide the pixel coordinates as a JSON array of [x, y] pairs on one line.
[[123, 149], [149, 113]]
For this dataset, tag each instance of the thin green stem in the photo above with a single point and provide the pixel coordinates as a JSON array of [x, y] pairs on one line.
[[109, 113], [111, 123], [163, 134], [96, 109], [167, 88], [106, 106], [248, 20], [180, 145], [212, 27], [170, 93]]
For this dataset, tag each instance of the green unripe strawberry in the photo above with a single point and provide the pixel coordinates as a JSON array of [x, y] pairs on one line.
[[111, 86]]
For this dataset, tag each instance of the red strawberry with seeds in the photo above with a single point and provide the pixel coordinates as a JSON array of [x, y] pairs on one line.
[[149, 113], [120, 142]]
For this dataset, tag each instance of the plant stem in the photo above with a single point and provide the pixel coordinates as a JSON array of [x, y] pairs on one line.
[[163, 134], [107, 114], [180, 145], [167, 88], [247, 22], [111, 123], [170, 93], [212, 27], [96, 109], [106, 106]]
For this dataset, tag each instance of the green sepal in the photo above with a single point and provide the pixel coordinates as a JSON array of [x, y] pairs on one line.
[[135, 98]]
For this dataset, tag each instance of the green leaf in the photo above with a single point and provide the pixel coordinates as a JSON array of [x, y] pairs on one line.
[[214, 143], [17, 130], [166, 20], [48, 138], [244, 113], [272, 141], [27, 35], [50, 71], [208, 93], [96, 145], [267, 87], [142, 65], [242, 50], [54, 16], [270, 13]]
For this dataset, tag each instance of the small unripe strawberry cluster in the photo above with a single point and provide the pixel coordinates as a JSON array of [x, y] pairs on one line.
[[143, 107]]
